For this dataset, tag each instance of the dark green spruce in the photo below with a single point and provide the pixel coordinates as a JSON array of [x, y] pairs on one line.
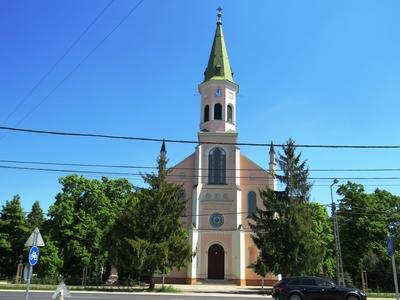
[[287, 229], [14, 232], [153, 240]]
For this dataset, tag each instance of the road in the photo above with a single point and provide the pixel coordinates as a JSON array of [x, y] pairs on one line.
[[20, 295]]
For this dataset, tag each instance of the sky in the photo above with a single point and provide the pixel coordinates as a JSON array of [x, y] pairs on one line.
[[319, 72]]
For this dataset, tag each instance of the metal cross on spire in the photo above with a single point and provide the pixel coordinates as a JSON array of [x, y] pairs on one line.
[[219, 15]]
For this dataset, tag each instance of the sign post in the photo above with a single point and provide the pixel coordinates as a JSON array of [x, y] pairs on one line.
[[391, 251], [34, 240]]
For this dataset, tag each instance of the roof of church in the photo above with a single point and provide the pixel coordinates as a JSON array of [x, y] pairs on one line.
[[218, 67]]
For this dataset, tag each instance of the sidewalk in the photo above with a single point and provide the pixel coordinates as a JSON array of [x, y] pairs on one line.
[[221, 289]]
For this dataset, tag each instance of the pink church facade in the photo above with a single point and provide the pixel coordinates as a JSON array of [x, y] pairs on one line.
[[221, 184]]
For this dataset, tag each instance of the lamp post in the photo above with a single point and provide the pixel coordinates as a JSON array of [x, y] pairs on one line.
[[339, 262]]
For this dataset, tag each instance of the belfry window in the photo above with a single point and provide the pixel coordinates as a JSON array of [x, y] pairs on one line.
[[217, 111], [251, 204], [217, 166], [206, 113], [229, 113]]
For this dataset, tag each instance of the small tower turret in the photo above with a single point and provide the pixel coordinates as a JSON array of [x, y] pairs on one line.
[[162, 160], [272, 163]]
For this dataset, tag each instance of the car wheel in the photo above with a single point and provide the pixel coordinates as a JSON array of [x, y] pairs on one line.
[[298, 297], [352, 297]]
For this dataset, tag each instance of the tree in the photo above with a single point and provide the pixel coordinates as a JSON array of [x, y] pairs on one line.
[[282, 230], [50, 262], [13, 234], [322, 234], [153, 239], [80, 221], [35, 218], [364, 221]]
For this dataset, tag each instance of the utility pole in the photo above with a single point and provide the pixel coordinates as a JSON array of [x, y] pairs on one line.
[[339, 262], [391, 253]]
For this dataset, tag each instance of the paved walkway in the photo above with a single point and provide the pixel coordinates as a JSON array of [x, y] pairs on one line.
[[220, 288]]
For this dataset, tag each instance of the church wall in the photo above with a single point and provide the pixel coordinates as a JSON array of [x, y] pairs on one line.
[[253, 178], [184, 173]]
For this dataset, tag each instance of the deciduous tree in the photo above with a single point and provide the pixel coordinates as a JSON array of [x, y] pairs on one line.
[[364, 221], [80, 220]]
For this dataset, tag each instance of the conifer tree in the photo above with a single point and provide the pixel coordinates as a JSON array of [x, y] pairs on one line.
[[13, 234], [282, 228], [154, 240], [35, 218]]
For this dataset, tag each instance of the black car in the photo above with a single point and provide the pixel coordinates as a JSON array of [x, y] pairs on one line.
[[313, 288]]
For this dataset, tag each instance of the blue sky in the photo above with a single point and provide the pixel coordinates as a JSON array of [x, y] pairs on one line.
[[320, 72]]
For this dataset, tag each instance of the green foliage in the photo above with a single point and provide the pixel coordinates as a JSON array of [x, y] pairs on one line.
[[81, 218], [150, 230], [288, 242], [364, 221], [35, 218], [13, 234], [322, 234], [168, 289], [50, 262]]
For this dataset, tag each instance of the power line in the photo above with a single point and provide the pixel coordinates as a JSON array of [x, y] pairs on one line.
[[125, 166], [185, 176], [108, 136], [51, 69], [80, 62]]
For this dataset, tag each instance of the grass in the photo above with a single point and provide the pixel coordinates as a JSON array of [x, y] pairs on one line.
[[168, 289], [381, 295], [49, 287]]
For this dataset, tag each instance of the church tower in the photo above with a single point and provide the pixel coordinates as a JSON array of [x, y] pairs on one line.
[[221, 185], [218, 90]]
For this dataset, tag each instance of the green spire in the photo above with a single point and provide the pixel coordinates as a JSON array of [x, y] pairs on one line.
[[218, 64]]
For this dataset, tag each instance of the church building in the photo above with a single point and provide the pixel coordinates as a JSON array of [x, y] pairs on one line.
[[220, 183]]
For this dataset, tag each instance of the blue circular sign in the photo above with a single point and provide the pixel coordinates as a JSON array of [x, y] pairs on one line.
[[33, 256]]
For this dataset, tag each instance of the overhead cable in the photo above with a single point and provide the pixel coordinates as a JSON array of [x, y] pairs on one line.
[[120, 137]]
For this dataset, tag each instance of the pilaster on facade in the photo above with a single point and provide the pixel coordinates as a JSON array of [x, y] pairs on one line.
[[198, 186], [192, 268]]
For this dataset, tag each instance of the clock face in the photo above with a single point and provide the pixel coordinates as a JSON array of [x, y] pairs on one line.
[[218, 92]]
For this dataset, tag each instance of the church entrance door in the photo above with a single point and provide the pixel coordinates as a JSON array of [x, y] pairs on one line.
[[216, 262]]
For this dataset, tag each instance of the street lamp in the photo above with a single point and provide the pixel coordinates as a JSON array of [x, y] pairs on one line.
[[339, 262]]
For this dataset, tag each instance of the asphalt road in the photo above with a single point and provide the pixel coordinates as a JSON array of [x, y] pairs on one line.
[[20, 295]]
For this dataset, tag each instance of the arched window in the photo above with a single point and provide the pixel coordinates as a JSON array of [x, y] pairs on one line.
[[229, 114], [206, 113], [251, 204], [217, 111], [217, 166]]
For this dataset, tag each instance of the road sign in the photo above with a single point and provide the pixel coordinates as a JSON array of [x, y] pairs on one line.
[[390, 245], [62, 291], [31, 240], [33, 256]]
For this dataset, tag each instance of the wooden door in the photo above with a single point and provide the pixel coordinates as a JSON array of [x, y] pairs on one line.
[[216, 262]]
